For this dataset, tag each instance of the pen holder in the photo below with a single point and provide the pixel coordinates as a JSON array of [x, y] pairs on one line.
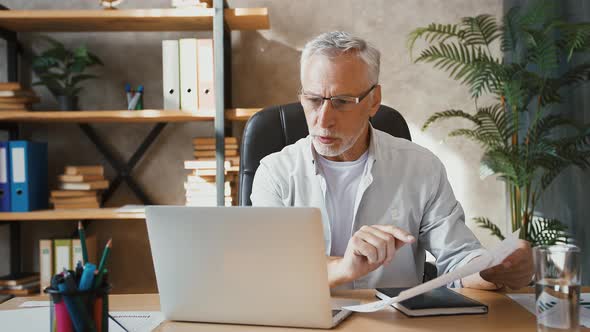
[[80, 310]]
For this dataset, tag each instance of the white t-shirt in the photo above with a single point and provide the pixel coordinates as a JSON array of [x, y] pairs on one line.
[[342, 182]]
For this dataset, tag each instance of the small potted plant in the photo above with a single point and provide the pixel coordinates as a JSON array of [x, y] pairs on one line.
[[61, 70]]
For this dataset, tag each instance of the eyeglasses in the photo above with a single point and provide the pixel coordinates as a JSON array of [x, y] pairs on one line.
[[339, 103]]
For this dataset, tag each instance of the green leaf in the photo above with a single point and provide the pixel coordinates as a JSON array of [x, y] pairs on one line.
[[480, 30], [539, 13], [503, 162], [434, 33], [511, 30], [487, 224], [78, 66], [543, 231], [470, 64], [94, 60], [448, 115], [81, 52], [576, 37], [543, 53]]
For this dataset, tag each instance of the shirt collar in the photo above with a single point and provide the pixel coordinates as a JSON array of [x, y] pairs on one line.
[[373, 150]]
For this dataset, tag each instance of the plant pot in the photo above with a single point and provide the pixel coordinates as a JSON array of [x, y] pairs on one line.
[[68, 103]]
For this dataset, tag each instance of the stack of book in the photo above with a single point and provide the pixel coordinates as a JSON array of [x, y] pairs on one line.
[[200, 185], [80, 188], [14, 98], [20, 284]]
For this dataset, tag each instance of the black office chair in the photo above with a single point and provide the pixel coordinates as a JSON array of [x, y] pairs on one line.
[[275, 127]]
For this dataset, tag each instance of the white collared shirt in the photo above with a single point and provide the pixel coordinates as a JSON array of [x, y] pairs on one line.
[[402, 184]]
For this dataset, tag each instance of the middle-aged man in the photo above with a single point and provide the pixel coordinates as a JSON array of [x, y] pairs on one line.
[[384, 200]]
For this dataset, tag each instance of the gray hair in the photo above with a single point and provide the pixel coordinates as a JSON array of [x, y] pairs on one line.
[[332, 44]]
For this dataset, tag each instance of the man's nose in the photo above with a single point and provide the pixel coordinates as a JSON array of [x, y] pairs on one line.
[[326, 114]]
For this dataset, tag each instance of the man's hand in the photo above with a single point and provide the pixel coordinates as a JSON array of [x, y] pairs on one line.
[[515, 271], [369, 248]]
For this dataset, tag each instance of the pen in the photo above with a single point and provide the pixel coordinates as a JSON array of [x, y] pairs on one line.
[[87, 280], [128, 93], [139, 105]]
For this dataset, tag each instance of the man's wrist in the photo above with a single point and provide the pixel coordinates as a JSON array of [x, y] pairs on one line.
[[335, 274]]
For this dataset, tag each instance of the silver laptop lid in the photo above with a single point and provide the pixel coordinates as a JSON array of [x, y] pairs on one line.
[[246, 265]]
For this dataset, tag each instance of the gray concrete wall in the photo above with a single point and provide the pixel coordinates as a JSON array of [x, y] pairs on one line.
[[265, 72]]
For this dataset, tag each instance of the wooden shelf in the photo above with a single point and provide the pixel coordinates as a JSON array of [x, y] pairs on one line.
[[165, 19], [81, 214], [238, 114]]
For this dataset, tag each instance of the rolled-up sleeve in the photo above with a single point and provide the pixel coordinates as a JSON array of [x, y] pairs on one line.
[[265, 189], [442, 230]]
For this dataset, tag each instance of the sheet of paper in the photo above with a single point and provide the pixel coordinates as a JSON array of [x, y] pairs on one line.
[[491, 258], [37, 319], [136, 321], [30, 319], [34, 304], [528, 302]]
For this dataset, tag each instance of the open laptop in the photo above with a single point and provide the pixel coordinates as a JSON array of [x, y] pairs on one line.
[[242, 265]]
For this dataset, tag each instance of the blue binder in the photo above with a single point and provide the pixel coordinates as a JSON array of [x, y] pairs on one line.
[[28, 181], [4, 177]]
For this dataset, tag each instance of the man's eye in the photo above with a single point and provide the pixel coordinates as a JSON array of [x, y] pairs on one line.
[[314, 100], [340, 102]]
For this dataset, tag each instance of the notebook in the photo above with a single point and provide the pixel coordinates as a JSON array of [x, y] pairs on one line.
[[437, 302]]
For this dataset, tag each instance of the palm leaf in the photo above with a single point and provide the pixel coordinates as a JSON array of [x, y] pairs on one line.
[[434, 33], [448, 115], [543, 231], [543, 52], [539, 13], [576, 37], [471, 65], [496, 122], [480, 30], [510, 30], [503, 162], [572, 78], [487, 224]]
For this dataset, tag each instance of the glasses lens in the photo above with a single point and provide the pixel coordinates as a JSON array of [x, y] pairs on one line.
[[311, 102], [342, 104]]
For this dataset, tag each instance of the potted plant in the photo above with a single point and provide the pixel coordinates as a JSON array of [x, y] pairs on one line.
[[525, 143], [61, 70]]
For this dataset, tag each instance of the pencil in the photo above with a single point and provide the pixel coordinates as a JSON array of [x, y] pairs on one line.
[[82, 235], [103, 262]]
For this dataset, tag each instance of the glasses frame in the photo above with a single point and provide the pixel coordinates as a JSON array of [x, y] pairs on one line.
[[353, 99]]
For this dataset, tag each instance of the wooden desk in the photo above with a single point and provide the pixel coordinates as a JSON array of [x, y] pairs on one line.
[[504, 315]]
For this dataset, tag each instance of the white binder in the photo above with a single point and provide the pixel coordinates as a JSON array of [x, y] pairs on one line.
[[189, 99], [171, 74]]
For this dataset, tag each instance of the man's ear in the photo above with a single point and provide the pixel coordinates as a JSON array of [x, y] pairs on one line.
[[375, 100]]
